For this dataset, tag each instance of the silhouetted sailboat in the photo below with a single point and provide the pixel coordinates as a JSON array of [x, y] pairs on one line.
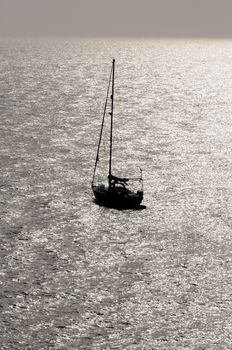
[[117, 194]]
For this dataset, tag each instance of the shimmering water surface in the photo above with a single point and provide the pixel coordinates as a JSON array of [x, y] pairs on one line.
[[78, 276]]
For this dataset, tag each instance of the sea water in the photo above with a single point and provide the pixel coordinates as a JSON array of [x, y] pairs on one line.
[[78, 276]]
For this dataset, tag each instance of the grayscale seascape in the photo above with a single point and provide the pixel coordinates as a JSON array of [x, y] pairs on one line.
[[78, 276]]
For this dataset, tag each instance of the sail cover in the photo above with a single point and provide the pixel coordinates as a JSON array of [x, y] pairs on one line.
[[117, 179]]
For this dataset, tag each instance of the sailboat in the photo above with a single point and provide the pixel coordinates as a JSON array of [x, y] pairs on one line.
[[117, 193]]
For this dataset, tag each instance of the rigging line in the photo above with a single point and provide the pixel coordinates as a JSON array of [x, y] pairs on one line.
[[102, 125]]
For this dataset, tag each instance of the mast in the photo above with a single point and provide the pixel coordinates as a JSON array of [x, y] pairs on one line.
[[111, 123], [102, 125]]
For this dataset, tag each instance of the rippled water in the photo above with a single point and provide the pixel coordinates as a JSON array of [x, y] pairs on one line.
[[78, 276]]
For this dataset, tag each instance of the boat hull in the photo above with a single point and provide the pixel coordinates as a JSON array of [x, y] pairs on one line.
[[114, 198]]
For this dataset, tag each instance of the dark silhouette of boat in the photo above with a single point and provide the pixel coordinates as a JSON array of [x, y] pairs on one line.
[[117, 193]]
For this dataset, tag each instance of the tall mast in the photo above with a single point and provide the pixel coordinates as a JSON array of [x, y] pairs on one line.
[[102, 125], [111, 124]]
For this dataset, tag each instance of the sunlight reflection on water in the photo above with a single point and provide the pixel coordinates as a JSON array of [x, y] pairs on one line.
[[78, 276]]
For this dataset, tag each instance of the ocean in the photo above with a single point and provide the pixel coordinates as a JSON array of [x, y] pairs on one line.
[[75, 275]]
